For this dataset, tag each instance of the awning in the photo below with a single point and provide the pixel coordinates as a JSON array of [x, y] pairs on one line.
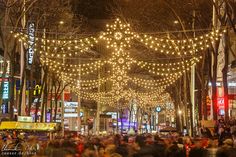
[[29, 126]]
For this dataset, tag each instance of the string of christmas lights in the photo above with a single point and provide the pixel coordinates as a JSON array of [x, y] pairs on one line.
[[118, 38]]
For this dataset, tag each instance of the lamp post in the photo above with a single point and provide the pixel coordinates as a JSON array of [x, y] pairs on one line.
[[63, 93], [21, 107], [79, 103]]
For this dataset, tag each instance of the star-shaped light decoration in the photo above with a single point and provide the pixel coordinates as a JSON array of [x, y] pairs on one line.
[[117, 35]]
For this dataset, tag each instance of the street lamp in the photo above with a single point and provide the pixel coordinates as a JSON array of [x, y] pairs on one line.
[[176, 22], [61, 22]]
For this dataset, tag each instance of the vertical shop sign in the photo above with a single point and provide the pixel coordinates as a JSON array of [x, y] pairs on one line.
[[5, 108], [5, 91], [31, 42]]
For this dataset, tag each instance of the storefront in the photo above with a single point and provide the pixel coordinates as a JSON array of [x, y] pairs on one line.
[[221, 99]]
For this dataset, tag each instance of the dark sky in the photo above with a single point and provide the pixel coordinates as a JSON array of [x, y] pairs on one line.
[[94, 9]]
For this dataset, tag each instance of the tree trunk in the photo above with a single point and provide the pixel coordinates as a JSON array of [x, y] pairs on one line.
[[209, 58], [190, 104], [214, 80], [185, 101], [55, 103], [150, 121], [44, 97], [12, 102], [39, 97], [31, 90], [200, 102], [51, 105], [55, 111], [121, 121], [178, 106], [117, 125], [225, 71], [57, 94], [141, 121], [46, 100], [204, 103], [130, 115], [12, 90], [21, 92]]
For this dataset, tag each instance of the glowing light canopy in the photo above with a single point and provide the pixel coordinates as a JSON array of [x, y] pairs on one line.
[[118, 37]]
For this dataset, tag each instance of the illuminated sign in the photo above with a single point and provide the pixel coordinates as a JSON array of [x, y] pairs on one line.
[[158, 109], [71, 115], [232, 84], [70, 109], [28, 126], [221, 112], [71, 104], [25, 119], [113, 114], [37, 90], [5, 93], [218, 84], [220, 103], [127, 124], [5, 108], [31, 42]]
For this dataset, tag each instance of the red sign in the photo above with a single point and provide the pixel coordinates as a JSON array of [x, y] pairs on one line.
[[220, 103]]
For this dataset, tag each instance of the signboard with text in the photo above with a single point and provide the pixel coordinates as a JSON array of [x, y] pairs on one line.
[[5, 108], [70, 109], [5, 91], [25, 119], [31, 42]]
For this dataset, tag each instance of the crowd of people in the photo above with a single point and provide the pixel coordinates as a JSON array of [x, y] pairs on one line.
[[145, 145], [219, 143]]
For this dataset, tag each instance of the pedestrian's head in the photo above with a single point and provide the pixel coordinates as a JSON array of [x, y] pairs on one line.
[[173, 151], [228, 143], [110, 149], [180, 140], [140, 140], [149, 139]]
